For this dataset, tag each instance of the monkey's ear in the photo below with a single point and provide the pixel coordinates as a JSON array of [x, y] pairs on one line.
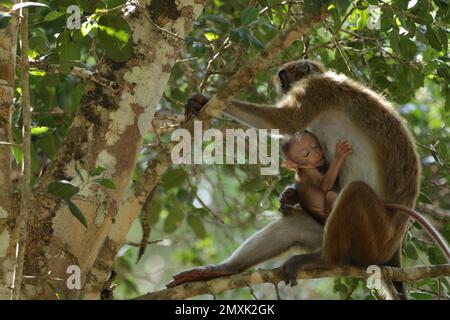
[[290, 165]]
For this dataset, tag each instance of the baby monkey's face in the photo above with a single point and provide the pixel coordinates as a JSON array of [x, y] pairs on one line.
[[306, 152]]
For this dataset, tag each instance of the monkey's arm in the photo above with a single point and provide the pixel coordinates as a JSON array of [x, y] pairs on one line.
[[330, 176], [343, 150], [284, 118], [264, 116]]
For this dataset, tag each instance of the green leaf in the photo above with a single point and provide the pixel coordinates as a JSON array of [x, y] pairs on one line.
[[68, 52], [4, 20], [255, 42], [211, 36], [53, 15], [36, 131], [62, 189], [443, 37], [235, 35], [394, 40], [361, 5], [97, 171], [408, 49], [79, 173], [86, 27], [173, 221], [197, 226], [173, 178], [37, 44], [411, 252], [154, 212], [76, 212], [433, 38], [421, 296], [28, 4], [436, 256], [115, 38], [447, 100], [249, 15], [221, 22], [107, 183], [18, 154], [362, 21], [424, 198]]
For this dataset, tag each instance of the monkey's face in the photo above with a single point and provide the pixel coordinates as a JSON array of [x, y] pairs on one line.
[[306, 152], [292, 72]]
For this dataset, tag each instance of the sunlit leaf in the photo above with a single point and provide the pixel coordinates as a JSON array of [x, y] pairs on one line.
[[211, 36], [114, 34]]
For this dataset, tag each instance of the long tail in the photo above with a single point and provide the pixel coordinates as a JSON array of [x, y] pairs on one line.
[[425, 223]]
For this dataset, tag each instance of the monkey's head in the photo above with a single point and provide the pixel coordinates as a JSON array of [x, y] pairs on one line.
[[302, 150], [294, 71]]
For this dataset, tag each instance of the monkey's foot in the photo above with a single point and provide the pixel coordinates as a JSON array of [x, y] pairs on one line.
[[198, 274], [290, 268]]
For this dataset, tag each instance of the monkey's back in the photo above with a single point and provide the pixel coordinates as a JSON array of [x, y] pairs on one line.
[[388, 160]]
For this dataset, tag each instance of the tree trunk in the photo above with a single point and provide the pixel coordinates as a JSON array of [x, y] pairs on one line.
[[8, 235], [107, 132]]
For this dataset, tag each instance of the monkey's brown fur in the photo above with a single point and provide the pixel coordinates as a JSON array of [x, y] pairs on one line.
[[360, 230], [384, 168]]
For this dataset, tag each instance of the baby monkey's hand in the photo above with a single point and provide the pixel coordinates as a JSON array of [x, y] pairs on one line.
[[288, 198], [343, 149]]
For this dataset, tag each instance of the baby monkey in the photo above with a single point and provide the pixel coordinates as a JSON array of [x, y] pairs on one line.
[[315, 181]]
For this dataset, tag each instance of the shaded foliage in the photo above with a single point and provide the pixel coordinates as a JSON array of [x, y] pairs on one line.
[[405, 57]]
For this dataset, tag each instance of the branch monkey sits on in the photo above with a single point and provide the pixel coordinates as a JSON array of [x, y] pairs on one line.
[[384, 168]]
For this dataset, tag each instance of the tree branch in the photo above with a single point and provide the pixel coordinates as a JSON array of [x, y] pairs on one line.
[[245, 279]]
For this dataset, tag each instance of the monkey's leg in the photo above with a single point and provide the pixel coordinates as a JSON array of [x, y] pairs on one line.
[[359, 231], [295, 229]]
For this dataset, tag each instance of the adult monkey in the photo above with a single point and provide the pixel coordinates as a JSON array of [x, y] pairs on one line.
[[384, 168]]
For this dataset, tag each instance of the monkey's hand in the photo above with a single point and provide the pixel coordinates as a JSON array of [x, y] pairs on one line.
[[194, 104], [288, 198], [343, 149], [198, 274]]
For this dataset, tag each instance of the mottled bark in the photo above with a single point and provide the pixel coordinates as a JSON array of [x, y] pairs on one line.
[[8, 236], [26, 159], [107, 131], [249, 278]]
